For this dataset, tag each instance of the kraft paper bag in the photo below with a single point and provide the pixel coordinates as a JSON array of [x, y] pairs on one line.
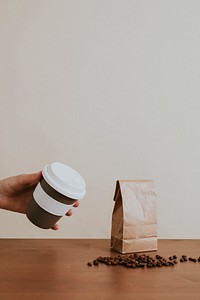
[[134, 221]]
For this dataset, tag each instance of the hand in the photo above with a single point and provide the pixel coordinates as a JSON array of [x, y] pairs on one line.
[[16, 193]]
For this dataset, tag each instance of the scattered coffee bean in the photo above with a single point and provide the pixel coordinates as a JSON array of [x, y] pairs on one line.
[[137, 264], [100, 258], [95, 262], [192, 259], [133, 266], [184, 257], [158, 264], [149, 265], [136, 260], [128, 265]]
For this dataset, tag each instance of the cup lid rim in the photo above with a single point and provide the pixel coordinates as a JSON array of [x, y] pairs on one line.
[[65, 180]]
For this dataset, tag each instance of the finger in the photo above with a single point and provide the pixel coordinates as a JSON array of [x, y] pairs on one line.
[[76, 204], [69, 213], [29, 179], [21, 182], [55, 227]]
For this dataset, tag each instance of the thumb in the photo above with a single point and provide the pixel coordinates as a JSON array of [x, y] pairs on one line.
[[28, 180]]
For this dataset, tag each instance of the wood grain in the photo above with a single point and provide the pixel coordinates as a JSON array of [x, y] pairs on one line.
[[57, 269]]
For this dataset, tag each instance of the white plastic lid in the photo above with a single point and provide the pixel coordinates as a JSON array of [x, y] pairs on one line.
[[65, 180]]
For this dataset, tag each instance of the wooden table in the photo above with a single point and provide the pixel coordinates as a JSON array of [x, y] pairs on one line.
[[57, 269]]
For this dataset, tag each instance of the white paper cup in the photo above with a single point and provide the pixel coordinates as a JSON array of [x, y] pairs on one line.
[[55, 194]]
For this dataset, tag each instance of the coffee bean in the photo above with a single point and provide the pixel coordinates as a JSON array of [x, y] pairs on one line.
[[182, 260], [133, 266], [89, 264], [162, 261], [158, 256], [185, 258], [158, 264], [100, 258], [175, 262], [137, 264], [128, 265], [192, 259], [149, 266], [174, 257], [95, 262], [153, 264]]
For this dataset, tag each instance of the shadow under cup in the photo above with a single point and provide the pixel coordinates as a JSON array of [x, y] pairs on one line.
[[47, 205]]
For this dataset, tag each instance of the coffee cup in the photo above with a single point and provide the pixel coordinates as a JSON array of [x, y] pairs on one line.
[[55, 194]]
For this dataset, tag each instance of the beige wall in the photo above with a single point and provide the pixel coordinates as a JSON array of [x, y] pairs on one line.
[[111, 88]]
